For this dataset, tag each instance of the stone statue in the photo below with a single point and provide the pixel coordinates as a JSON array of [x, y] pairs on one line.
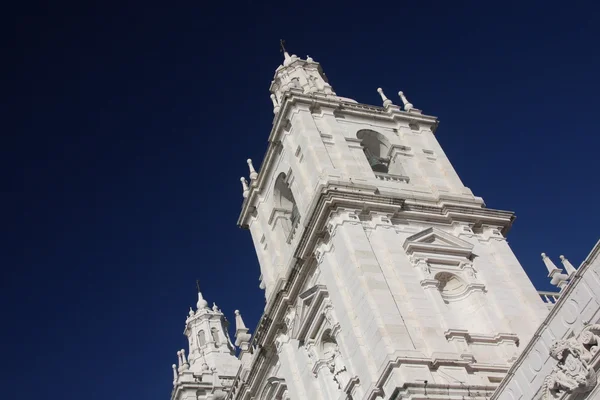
[[572, 374]]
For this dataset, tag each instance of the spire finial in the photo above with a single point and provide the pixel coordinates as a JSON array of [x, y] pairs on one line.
[[549, 264], [286, 56], [282, 46], [201, 304], [179, 361], [309, 59], [407, 106], [568, 266], [244, 187], [185, 365], [239, 322], [174, 367], [191, 312], [557, 278], [386, 102], [242, 337], [253, 173]]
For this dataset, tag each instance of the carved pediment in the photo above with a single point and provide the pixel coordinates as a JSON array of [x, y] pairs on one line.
[[433, 241]]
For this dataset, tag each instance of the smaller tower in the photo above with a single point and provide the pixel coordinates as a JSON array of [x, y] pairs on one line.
[[211, 364]]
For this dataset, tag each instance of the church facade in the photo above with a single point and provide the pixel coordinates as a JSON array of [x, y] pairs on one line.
[[384, 276]]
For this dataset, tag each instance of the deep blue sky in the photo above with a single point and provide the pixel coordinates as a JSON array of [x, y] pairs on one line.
[[127, 127]]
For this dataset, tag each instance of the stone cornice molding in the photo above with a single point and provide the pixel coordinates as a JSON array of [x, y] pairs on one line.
[[451, 334], [430, 283], [426, 390], [469, 289], [433, 363]]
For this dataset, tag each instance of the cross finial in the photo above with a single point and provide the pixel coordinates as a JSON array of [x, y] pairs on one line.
[[282, 45], [198, 285]]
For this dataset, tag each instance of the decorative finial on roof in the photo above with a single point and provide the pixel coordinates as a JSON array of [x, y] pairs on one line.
[[239, 322], [549, 264], [309, 59], [253, 173], [407, 106], [568, 266], [242, 337], [179, 362], [175, 375], [557, 278], [191, 312], [386, 102], [201, 304], [276, 106], [244, 187], [215, 308], [185, 364], [286, 57]]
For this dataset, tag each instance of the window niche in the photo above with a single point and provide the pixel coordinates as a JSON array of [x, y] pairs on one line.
[[376, 147], [377, 150], [285, 212], [201, 338]]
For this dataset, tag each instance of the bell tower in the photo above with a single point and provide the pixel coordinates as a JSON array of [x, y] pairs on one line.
[[382, 272], [210, 367]]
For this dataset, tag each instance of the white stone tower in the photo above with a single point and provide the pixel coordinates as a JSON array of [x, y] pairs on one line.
[[384, 276], [211, 366]]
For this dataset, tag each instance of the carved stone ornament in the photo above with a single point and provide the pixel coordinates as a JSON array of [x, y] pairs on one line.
[[573, 374]]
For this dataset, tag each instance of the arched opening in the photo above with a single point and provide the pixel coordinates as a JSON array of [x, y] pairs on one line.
[[201, 338], [328, 345], [215, 335], [285, 202], [376, 148]]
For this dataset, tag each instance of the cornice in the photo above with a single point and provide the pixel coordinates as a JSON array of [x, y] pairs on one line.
[[432, 363]]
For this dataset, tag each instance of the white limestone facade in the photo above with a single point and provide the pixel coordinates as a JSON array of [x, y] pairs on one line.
[[384, 276]]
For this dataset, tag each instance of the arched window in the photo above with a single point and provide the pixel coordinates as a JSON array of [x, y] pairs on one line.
[[215, 335], [201, 338], [285, 202], [376, 148]]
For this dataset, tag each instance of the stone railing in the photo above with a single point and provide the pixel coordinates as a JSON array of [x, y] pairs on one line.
[[550, 298], [391, 178]]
